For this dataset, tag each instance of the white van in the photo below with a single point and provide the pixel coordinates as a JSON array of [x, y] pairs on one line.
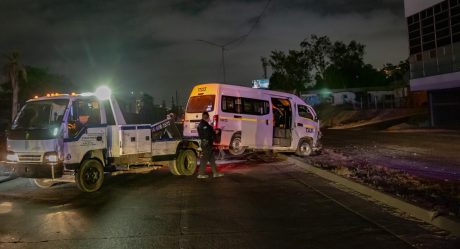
[[258, 119]]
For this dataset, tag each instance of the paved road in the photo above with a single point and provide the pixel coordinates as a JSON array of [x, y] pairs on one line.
[[256, 205], [427, 154]]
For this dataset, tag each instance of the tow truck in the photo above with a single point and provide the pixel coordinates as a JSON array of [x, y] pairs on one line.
[[82, 137]]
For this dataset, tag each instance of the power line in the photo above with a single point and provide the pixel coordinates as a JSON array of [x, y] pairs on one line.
[[241, 39]]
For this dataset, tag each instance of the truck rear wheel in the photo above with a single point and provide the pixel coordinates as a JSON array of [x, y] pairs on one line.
[[186, 162], [173, 167], [42, 182], [90, 176]]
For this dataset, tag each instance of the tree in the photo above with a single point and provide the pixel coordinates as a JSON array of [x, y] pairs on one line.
[[397, 74], [332, 64], [14, 71], [346, 65], [39, 82], [317, 51], [291, 72]]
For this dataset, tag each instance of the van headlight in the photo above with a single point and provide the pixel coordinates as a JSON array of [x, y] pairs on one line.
[[12, 157], [51, 157]]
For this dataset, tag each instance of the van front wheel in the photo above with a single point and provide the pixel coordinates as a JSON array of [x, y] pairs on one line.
[[235, 147], [304, 148]]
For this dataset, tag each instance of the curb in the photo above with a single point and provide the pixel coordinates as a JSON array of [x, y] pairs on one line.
[[8, 178], [425, 215]]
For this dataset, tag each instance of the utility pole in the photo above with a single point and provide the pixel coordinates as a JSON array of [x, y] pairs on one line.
[[222, 47], [240, 39]]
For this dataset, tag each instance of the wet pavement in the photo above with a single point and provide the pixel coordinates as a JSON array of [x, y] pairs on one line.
[[256, 205]]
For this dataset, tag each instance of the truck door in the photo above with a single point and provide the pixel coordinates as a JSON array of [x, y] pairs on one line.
[[85, 131]]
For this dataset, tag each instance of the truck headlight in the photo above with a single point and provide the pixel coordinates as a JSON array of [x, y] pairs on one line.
[[12, 157], [51, 157]]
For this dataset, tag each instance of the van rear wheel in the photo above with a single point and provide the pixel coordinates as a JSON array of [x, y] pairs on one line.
[[235, 147], [90, 176]]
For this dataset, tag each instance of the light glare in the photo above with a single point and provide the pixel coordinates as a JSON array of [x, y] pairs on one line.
[[103, 93]]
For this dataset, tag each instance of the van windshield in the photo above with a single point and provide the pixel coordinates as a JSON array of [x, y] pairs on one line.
[[199, 104], [38, 115]]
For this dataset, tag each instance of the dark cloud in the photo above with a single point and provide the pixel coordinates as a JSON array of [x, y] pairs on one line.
[[338, 7], [152, 45]]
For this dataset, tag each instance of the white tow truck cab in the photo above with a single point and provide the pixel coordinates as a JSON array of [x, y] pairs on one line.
[[80, 136], [257, 119]]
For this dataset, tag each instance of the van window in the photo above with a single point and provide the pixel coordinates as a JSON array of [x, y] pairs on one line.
[[255, 106], [245, 106], [304, 112], [231, 104], [199, 104]]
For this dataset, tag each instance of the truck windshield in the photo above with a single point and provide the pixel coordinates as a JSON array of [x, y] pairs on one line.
[[199, 104], [42, 114]]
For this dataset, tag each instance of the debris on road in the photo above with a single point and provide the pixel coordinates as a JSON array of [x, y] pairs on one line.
[[442, 196]]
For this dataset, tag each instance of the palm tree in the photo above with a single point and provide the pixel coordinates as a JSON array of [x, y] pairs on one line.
[[13, 70]]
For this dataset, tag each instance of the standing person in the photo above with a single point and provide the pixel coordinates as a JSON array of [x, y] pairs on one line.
[[206, 133]]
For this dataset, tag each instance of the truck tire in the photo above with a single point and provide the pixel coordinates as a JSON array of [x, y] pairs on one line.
[[173, 167], [42, 182], [90, 176], [235, 147], [304, 148], [186, 162]]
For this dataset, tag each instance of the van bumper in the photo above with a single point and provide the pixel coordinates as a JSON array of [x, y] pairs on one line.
[[35, 170]]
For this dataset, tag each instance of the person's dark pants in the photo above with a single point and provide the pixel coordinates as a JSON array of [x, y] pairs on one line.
[[208, 156]]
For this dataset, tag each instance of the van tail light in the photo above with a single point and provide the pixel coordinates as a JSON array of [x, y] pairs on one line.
[[215, 121]]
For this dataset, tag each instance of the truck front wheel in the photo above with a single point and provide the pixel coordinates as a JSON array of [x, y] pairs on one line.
[[90, 176]]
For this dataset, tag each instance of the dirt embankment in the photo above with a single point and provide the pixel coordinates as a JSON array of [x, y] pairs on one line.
[[423, 168], [343, 117]]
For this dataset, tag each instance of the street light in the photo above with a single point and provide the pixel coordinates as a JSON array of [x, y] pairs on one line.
[[222, 48]]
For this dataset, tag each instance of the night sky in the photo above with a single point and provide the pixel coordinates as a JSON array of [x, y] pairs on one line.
[[150, 46]]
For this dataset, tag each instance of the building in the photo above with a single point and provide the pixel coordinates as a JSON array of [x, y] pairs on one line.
[[434, 44], [366, 97]]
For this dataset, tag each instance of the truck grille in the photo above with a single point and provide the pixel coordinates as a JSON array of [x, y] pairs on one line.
[[29, 158]]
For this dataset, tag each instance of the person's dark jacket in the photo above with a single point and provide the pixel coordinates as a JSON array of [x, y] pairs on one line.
[[206, 131]]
